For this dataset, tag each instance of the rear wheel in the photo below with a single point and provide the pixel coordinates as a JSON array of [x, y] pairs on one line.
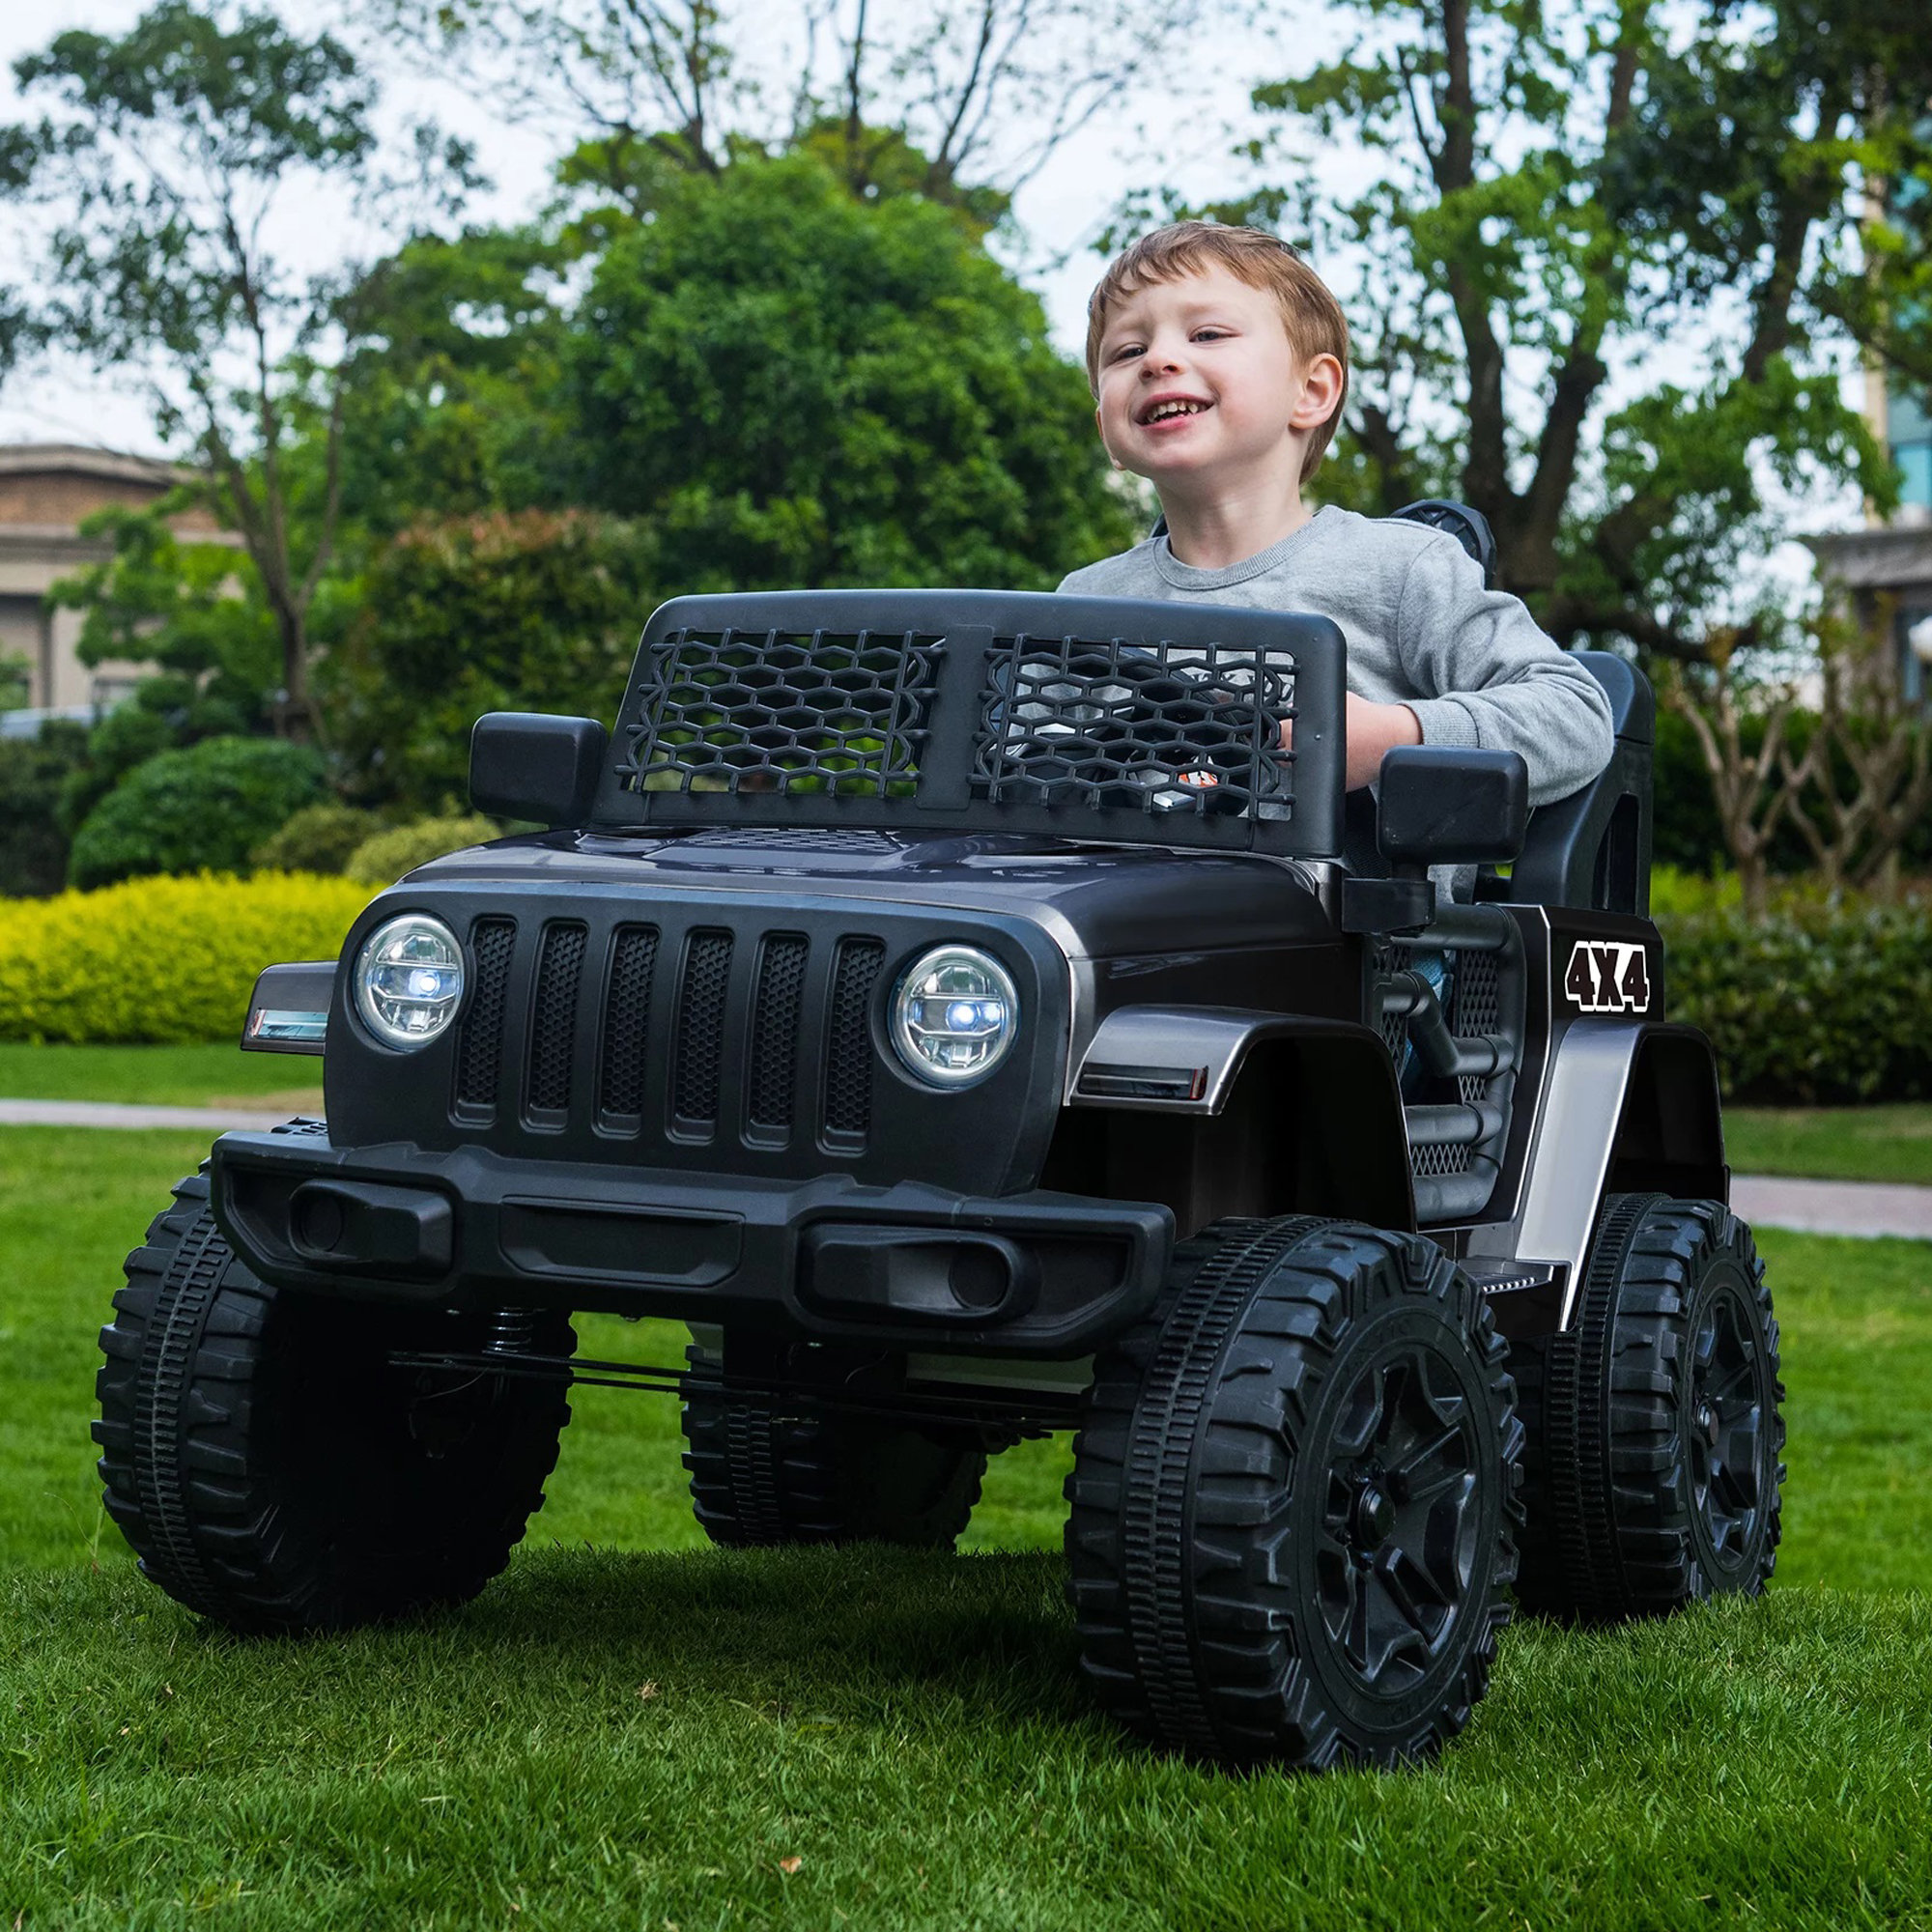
[[1656, 1459], [272, 1468], [1293, 1500], [765, 1473]]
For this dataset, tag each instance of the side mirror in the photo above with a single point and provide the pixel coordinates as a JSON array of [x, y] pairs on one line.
[[526, 764], [1443, 806]]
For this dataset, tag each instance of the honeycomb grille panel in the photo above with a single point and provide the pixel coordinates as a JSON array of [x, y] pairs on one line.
[[775, 1030], [1189, 730], [698, 1050], [626, 1021], [793, 839], [553, 1017], [849, 1057], [745, 712], [1478, 1007], [480, 1055]]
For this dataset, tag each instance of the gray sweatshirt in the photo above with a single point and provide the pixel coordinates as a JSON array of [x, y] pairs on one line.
[[1421, 631]]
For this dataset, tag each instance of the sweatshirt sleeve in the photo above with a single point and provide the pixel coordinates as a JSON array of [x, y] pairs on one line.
[[1488, 677]]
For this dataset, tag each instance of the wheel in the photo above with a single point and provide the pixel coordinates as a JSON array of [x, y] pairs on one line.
[[274, 1471], [1293, 1500], [764, 1473], [1654, 1467]]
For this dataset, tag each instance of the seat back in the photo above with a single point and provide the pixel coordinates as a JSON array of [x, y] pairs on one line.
[[1593, 848]]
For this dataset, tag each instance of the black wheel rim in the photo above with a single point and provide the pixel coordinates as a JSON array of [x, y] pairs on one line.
[[1725, 1426], [1400, 1524]]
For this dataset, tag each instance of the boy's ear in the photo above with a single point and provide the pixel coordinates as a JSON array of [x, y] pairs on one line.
[[1321, 393]]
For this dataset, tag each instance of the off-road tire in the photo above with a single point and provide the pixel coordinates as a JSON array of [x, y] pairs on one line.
[[270, 1467], [1654, 1470], [1228, 1541], [764, 1473]]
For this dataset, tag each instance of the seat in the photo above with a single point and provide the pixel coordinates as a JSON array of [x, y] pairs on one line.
[[1593, 848]]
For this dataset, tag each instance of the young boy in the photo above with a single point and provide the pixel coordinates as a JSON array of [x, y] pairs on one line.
[[1219, 361]]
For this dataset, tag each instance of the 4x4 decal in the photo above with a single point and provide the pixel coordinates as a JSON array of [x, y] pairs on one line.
[[1608, 975]]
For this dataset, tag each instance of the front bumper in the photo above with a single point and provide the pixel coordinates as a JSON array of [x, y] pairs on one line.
[[1038, 1275]]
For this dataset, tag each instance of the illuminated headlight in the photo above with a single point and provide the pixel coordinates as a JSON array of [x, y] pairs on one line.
[[408, 979], [954, 1016]]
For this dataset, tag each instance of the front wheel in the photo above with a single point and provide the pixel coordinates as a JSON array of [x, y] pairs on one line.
[[1293, 1500], [274, 1469]]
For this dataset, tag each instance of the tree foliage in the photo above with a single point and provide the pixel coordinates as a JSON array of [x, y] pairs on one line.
[[1606, 275], [162, 160], [519, 610], [798, 387]]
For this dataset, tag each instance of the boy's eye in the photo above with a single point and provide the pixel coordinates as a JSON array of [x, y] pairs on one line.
[[1212, 334]]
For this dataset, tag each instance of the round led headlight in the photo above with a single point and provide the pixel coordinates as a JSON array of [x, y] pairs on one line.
[[954, 1016], [408, 980]]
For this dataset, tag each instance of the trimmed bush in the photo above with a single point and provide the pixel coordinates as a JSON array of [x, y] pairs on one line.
[[1815, 1005], [205, 807], [162, 961], [383, 860], [33, 771], [318, 839]]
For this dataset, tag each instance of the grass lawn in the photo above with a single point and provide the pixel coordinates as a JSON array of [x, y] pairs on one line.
[[1832, 1143], [632, 1729], [174, 1076]]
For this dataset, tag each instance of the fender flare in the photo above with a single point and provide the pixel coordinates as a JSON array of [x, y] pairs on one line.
[[1625, 1108], [1335, 1077]]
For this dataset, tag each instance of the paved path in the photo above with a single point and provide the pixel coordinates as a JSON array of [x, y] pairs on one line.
[[1866, 1207], [1862, 1207], [106, 1114]]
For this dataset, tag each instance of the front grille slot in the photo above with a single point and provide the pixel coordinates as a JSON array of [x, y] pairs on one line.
[[698, 1048], [627, 1022], [553, 1017], [849, 1055], [479, 1054], [774, 1031]]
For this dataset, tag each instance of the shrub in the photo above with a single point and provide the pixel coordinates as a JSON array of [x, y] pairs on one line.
[[1814, 1005], [205, 807], [33, 771], [164, 960], [318, 839], [383, 860]]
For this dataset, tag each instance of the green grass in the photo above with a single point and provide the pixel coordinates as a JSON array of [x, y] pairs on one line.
[[178, 1076], [909, 1729], [1832, 1143]]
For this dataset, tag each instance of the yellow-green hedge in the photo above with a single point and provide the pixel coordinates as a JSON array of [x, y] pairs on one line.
[[162, 959]]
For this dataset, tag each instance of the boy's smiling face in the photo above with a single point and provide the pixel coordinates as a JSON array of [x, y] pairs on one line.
[[1200, 387]]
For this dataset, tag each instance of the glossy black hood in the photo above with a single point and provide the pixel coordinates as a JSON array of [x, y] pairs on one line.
[[1101, 902]]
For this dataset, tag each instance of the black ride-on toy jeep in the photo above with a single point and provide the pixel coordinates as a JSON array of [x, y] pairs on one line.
[[960, 1010]]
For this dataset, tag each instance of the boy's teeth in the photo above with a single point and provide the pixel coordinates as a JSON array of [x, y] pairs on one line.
[[1162, 410]]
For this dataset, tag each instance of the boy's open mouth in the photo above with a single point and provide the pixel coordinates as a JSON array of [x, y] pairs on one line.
[[1165, 408]]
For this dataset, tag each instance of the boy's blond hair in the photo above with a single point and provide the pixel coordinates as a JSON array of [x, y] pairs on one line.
[[1310, 314]]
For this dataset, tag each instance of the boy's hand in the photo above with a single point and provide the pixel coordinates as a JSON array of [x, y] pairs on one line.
[[1372, 730]]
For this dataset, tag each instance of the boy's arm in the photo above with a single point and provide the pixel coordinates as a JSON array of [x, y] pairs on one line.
[[1486, 677]]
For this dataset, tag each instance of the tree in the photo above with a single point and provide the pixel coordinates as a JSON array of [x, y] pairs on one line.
[[1867, 769], [1606, 277], [523, 610], [796, 387], [162, 162], [985, 91]]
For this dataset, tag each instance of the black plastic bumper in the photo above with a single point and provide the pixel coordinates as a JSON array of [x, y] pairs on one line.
[[1045, 1275]]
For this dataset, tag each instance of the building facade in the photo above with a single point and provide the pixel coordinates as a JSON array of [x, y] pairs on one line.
[[47, 491], [1888, 563]]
